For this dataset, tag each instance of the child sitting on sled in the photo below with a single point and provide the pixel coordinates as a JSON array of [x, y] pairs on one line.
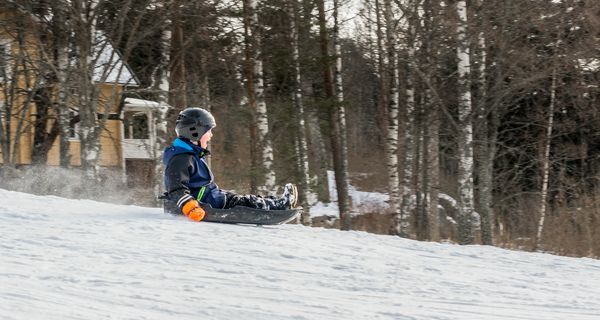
[[189, 181]]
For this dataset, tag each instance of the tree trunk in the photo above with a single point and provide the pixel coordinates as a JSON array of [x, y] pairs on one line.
[[431, 121], [421, 177], [465, 136], [392, 115], [485, 150], [261, 106], [382, 103], [6, 109], [30, 82], [177, 76], [4, 114], [341, 175], [42, 138], [302, 149], [87, 93], [433, 168], [62, 71], [402, 221], [546, 162], [160, 115], [250, 94], [255, 89]]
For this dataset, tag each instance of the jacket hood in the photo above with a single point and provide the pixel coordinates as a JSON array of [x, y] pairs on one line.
[[182, 145]]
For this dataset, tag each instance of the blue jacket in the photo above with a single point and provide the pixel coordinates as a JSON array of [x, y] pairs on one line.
[[187, 176]]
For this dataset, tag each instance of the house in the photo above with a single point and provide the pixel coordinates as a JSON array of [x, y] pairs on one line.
[[128, 136]]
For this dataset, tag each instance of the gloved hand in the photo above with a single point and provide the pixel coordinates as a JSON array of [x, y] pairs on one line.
[[192, 210]]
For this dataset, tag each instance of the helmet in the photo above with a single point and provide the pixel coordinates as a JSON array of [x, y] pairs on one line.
[[193, 123]]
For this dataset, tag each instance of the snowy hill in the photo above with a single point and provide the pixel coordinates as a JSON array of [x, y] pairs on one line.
[[76, 259]]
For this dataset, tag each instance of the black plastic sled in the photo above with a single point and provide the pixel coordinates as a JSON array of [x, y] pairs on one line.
[[246, 215]]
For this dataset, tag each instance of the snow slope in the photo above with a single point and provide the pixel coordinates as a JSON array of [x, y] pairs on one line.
[[78, 259]]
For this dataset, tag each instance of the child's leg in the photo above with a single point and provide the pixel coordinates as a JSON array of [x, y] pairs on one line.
[[250, 200]]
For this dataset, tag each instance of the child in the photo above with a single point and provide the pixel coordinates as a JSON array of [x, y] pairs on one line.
[[188, 179]]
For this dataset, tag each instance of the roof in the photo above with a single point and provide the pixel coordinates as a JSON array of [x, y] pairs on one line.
[[141, 103], [109, 66]]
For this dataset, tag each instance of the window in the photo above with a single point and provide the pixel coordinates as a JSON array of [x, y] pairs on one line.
[[73, 127], [136, 125]]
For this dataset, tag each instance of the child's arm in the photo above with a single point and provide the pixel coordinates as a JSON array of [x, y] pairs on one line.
[[178, 176]]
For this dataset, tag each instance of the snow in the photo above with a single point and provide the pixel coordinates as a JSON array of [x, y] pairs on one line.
[[591, 65], [360, 199], [80, 259]]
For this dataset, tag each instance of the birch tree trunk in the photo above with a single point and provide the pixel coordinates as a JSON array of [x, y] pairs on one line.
[[548, 139], [9, 88], [392, 116], [160, 115], [4, 114], [465, 135], [344, 201], [261, 105], [256, 97], [302, 150], [546, 161], [382, 103]]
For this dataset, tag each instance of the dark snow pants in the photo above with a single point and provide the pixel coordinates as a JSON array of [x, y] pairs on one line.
[[253, 201]]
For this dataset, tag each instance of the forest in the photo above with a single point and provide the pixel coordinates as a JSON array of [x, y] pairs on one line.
[[479, 119]]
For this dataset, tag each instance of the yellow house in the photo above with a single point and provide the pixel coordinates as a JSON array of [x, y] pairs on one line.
[[128, 137]]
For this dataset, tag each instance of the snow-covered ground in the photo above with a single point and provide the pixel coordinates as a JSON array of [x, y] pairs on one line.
[[79, 259]]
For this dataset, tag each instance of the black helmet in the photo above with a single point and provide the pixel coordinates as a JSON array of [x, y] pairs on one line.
[[193, 123]]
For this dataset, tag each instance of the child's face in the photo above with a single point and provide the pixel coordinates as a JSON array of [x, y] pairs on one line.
[[206, 138]]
